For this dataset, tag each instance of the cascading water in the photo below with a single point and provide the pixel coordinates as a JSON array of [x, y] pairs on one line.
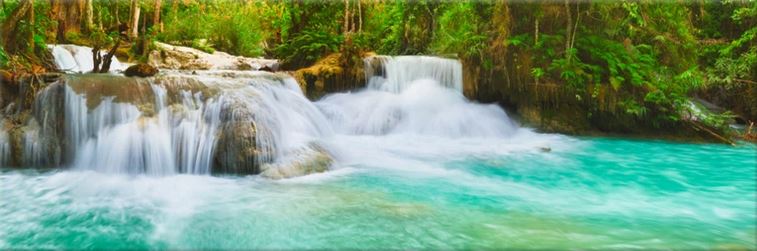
[[395, 74], [78, 59], [181, 123], [416, 95], [238, 122]]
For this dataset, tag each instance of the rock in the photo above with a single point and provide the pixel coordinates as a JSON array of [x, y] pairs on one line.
[[154, 58], [186, 58], [307, 160], [5, 77], [236, 149], [141, 70], [50, 77], [243, 66], [266, 68]]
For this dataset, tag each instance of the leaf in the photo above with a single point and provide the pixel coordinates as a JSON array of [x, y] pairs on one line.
[[615, 83]]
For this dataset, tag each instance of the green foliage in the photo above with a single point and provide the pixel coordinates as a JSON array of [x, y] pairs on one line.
[[102, 39], [736, 62], [384, 28], [459, 31], [308, 47], [537, 72], [202, 44], [188, 24], [308, 33], [230, 26], [3, 57]]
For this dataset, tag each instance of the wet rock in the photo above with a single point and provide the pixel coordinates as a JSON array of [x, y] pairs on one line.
[[141, 70], [266, 68], [51, 77], [236, 148], [308, 160]]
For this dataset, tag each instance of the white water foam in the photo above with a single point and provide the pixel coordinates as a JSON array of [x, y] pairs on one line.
[[78, 59]]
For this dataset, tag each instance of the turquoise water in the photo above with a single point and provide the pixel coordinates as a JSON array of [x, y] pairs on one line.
[[585, 193]]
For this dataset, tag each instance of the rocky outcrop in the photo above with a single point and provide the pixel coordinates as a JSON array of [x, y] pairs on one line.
[[141, 70], [334, 73], [185, 58]]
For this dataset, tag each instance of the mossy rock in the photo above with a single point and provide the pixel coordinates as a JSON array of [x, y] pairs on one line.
[[141, 70]]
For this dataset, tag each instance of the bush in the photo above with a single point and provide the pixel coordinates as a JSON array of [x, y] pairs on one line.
[[307, 47], [3, 57]]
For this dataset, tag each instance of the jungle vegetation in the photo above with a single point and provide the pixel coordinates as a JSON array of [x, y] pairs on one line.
[[635, 62]]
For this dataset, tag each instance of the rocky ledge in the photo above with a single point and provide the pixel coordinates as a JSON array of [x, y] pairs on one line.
[[184, 58]]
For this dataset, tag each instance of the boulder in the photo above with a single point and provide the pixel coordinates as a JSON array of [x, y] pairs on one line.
[[141, 70], [307, 160], [237, 150]]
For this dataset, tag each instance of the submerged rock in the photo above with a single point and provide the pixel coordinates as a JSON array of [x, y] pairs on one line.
[[141, 70], [304, 161]]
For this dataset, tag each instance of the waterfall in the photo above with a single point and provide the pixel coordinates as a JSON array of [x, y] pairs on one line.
[[78, 59], [243, 122], [215, 121], [395, 74], [5, 145], [414, 95]]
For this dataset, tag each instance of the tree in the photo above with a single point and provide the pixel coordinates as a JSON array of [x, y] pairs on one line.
[[134, 19], [89, 23], [10, 26], [156, 15]]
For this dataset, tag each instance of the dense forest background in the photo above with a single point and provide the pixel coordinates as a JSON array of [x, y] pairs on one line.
[[618, 66]]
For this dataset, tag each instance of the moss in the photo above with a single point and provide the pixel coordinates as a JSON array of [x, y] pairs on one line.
[[334, 73]]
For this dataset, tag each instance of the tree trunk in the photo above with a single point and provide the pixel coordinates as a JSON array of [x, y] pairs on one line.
[[156, 14], [30, 42], [100, 20], [143, 39], [115, 13], [96, 59], [134, 25], [89, 20], [56, 13], [70, 17], [575, 28], [568, 29], [536, 31], [109, 57], [175, 9], [11, 22], [360, 16], [346, 16]]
